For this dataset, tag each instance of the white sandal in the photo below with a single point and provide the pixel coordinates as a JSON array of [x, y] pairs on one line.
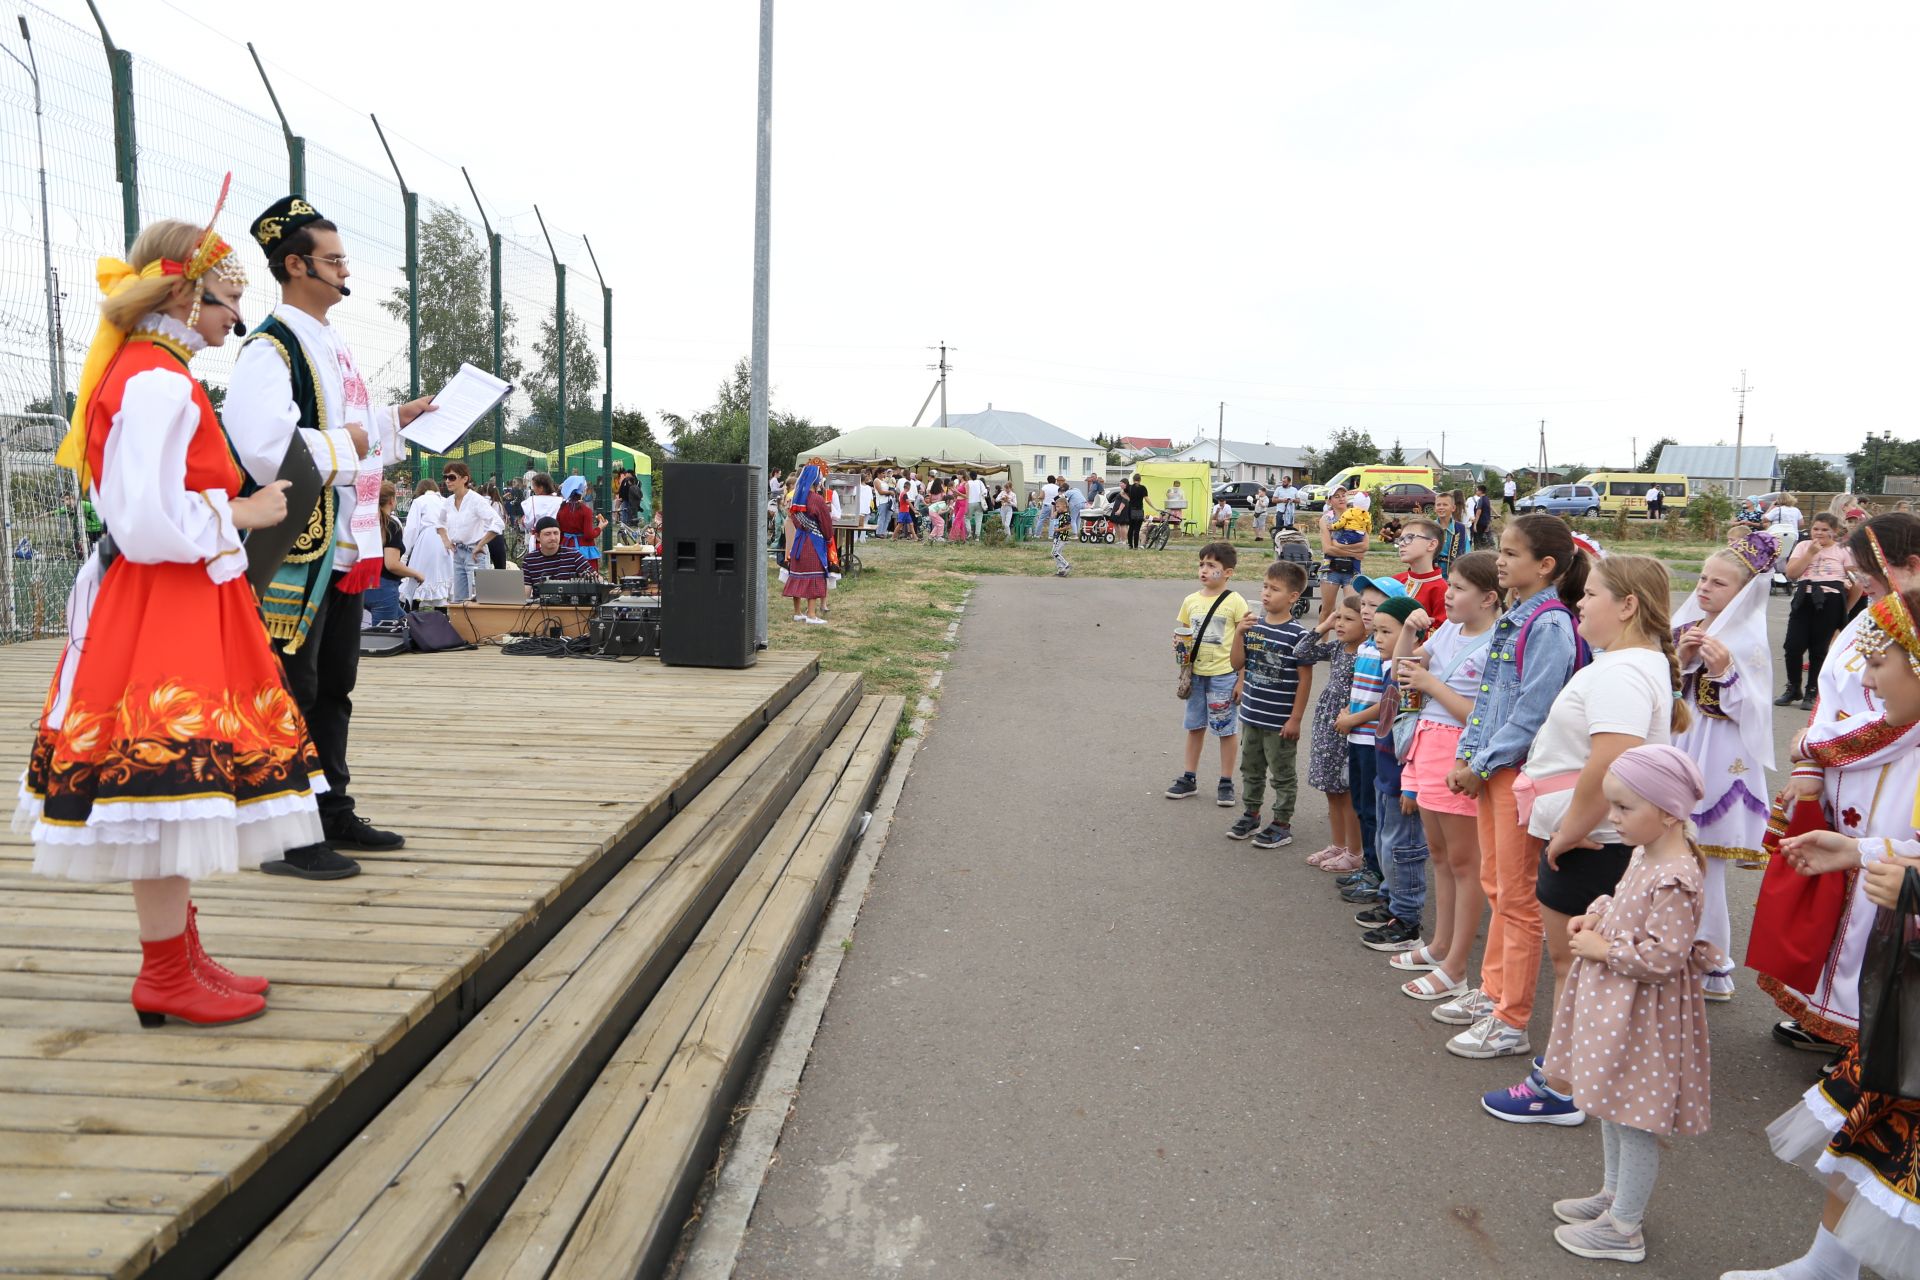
[[1418, 960], [1424, 987]]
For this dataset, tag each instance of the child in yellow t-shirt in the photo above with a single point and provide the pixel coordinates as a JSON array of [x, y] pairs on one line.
[[1213, 705]]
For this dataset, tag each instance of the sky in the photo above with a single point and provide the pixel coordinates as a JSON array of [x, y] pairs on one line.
[[1414, 219]]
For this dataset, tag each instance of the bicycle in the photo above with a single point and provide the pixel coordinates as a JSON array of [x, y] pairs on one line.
[[1159, 534]]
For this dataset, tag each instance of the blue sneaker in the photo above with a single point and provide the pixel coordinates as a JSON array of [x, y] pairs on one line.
[[1223, 794], [1531, 1102], [1183, 786], [1278, 835]]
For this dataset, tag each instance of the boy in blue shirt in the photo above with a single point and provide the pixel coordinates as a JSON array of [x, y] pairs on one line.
[[1393, 923], [1273, 690]]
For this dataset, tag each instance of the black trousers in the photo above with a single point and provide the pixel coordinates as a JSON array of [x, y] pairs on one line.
[[497, 551], [1133, 531], [320, 675], [1812, 619]]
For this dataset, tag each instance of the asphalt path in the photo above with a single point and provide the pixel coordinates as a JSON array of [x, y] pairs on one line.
[[1080, 1033]]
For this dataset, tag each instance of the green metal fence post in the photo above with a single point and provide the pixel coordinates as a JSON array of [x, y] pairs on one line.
[[606, 397], [125, 155], [494, 247], [296, 145], [559, 342], [410, 202]]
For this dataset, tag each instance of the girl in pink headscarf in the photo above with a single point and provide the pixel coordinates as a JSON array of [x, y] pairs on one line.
[[1630, 1028]]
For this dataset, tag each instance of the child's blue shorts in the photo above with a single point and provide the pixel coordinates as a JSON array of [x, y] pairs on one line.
[[1211, 707]]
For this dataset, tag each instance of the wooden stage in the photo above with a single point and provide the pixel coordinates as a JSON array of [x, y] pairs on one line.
[[521, 784]]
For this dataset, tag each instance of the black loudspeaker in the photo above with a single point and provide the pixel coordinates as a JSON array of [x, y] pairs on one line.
[[712, 545]]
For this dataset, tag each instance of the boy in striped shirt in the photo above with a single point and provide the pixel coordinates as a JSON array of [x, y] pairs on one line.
[[1273, 691], [1363, 708]]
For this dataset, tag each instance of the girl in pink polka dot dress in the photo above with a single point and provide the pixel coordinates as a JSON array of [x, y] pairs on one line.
[[1630, 1027]]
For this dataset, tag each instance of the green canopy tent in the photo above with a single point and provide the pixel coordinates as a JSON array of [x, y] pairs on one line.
[[515, 460], [583, 459]]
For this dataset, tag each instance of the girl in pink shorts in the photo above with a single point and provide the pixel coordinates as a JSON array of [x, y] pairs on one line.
[[1447, 674]]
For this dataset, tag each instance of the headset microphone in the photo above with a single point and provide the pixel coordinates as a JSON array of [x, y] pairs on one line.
[[239, 329], [314, 274]]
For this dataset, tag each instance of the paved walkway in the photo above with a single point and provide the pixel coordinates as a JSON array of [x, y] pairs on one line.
[[1082, 1034]]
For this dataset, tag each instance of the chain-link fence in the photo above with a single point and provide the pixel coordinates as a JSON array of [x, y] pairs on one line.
[[65, 120]]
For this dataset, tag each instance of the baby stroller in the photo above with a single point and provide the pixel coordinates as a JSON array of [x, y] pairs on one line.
[[1095, 527], [1291, 545]]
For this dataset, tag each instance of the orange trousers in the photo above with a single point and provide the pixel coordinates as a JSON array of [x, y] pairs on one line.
[[1509, 872]]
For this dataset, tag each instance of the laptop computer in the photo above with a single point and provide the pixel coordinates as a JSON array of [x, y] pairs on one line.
[[499, 586]]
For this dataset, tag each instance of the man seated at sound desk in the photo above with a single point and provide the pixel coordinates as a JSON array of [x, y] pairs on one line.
[[547, 559]]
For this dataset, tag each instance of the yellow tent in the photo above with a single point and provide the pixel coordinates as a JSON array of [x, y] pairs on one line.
[[1196, 481]]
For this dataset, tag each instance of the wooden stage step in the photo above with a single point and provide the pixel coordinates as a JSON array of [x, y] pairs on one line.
[[625, 1005], [161, 1152], [612, 1194]]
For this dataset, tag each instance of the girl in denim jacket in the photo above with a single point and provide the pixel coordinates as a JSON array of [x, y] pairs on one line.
[[1532, 655]]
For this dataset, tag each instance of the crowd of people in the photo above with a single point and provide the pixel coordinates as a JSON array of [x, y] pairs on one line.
[[1532, 741]]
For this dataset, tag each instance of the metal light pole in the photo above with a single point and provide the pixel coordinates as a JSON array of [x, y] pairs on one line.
[[56, 367], [762, 236]]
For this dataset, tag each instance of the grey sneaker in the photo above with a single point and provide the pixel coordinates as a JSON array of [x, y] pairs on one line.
[[1603, 1238], [1223, 796], [1245, 827], [1490, 1038], [1183, 786], [1583, 1210], [1465, 1011], [1278, 835]]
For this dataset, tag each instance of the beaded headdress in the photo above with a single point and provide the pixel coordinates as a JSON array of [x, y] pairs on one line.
[[1756, 549], [1889, 621], [210, 254]]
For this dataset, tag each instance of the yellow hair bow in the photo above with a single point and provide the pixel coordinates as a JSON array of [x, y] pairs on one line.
[[113, 275]]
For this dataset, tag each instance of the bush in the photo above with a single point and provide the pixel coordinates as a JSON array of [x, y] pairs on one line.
[[1707, 514]]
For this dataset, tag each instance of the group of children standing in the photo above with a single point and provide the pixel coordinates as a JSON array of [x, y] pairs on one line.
[[1530, 739]]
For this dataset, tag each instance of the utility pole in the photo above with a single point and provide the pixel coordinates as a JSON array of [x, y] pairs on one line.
[[1739, 432], [1443, 452], [1633, 462], [1220, 443], [1540, 464], [941, 368], [762, 240]]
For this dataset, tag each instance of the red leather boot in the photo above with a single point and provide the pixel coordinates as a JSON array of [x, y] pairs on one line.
[[213, 968], [169, 987]]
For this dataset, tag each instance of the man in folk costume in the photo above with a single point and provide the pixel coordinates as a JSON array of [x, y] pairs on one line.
[[295, 375], [169, 749], [1866, 773]]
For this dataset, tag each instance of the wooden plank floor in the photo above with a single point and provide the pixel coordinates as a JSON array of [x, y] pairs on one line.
[[515, 780]]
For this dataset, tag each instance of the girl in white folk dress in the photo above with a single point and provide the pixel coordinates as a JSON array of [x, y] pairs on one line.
[[1726, 666], [1630, 1027], [429, 550]]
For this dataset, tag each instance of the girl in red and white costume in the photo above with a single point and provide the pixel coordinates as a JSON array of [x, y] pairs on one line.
[[169, 749]]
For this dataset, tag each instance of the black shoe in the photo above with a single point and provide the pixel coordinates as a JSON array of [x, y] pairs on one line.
[[352, 832], [1245, 827], [1395, 935], [1795, 1036], [1373, 917], [312, 862], [1806, 703], [1787, 699]]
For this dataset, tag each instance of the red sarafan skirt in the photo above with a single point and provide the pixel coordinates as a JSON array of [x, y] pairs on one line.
[[170, 745]]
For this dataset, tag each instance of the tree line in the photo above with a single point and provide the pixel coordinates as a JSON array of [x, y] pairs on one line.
[[456, 327]]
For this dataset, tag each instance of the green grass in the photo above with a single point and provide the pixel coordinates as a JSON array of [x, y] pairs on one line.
[[889, 622]]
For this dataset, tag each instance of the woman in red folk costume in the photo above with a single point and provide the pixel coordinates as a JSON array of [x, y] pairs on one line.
[[169, 749]]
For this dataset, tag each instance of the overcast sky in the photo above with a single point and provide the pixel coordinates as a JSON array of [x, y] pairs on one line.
[[1412, 218]]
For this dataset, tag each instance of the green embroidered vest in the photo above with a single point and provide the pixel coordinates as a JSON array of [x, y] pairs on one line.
[[293, 597]]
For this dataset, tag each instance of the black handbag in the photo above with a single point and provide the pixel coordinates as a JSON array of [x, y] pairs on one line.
[[1890, 998], [430, 631]]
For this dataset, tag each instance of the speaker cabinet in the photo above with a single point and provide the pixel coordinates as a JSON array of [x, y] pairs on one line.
[[713, 546]]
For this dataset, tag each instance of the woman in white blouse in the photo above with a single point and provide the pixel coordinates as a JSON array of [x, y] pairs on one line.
[[429, 550], [471, 523]]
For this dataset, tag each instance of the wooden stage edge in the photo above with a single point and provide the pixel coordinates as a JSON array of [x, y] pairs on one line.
[[522, 783]]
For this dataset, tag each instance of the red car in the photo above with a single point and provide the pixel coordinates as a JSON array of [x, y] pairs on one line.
[[1406, 499]]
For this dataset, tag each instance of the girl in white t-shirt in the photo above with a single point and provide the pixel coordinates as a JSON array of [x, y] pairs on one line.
[[1447, 673], [1627, 696]]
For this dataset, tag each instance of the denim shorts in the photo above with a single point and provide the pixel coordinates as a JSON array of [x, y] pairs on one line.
[[1211, 707]]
